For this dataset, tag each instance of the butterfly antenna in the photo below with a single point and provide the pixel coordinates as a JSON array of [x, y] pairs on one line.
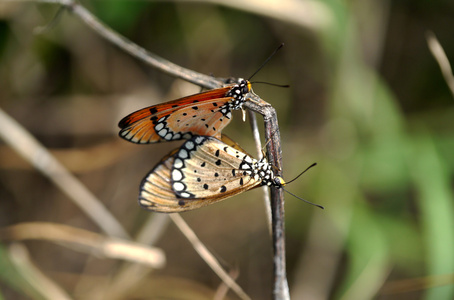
[[273, 84], [319, 206], [313, 165], [266, 61]]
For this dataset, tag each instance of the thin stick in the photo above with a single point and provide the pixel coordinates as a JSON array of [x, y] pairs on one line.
[[125, 44], [130, 276], [258, 148], [272, 134], [37, 155], [207, 256]]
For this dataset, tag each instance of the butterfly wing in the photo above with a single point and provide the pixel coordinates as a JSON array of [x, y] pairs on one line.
[[205, 113], [206, 168], [156, 193]]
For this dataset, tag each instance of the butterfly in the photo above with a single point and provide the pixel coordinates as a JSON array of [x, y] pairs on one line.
[[204, 170], [205, 113]]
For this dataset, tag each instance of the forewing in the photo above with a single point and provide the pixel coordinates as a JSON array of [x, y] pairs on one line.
[[178, 119]]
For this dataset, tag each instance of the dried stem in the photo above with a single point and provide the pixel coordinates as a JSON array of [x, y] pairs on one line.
[[36, 154], [273, 147], [258, 149], [85, 241], [207, 256]]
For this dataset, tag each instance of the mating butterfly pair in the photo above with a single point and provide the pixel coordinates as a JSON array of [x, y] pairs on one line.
[[204, 169]]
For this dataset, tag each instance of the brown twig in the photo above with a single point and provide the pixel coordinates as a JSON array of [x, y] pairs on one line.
[[272, 134], [207, 256], [258, 149], [35, 153]]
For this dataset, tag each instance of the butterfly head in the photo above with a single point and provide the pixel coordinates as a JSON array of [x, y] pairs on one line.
[[244, 85], [238, 93], [278, 182]]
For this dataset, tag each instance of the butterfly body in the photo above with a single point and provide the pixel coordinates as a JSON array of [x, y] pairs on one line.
[[206, 113], [204, 170]]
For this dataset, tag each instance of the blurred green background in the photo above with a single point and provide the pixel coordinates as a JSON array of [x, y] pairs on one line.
[[367, 102]]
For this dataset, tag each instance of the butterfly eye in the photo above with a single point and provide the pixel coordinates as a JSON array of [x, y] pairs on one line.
[[278, 182]]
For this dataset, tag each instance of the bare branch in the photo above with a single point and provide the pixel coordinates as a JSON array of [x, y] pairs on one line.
[[207, 256], [258, 149], [37, 155]]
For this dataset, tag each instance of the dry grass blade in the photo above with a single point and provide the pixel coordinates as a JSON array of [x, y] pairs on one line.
[[417, 284], [37, 155], [41, 283], [207, 256], [86, 241], [221, 292], [132, 275], [440, 55]]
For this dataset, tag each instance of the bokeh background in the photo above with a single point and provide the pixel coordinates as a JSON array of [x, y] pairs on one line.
[[367, 102]]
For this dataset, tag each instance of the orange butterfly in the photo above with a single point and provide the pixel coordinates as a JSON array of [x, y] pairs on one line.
[[204, 170], [206, 113]]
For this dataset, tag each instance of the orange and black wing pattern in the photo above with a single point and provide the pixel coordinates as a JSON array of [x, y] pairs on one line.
[[206, 114]]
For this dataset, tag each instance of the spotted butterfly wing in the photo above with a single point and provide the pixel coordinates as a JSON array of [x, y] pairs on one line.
[[205, 113], [204, 170]]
